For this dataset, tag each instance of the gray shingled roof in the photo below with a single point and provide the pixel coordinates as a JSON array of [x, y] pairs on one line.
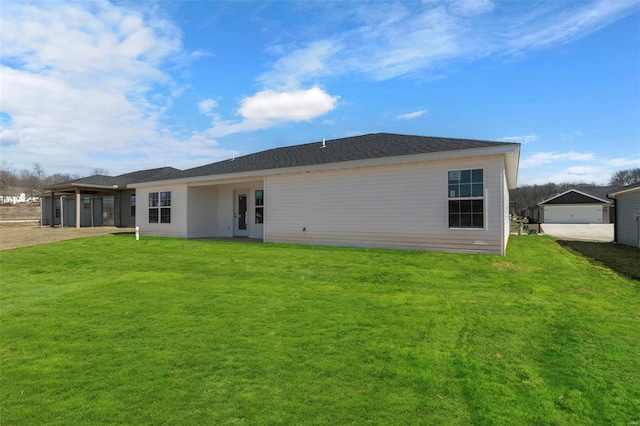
[[119, 181], [364, 147], [598, 191]]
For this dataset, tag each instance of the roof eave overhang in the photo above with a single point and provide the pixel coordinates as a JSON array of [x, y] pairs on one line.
[[510, 151], [74, 186], [624, 191]]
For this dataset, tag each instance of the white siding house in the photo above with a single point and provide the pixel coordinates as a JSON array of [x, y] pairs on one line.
[[627, 224], [386, 191]]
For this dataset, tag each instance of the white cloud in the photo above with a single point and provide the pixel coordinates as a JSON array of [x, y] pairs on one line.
[[521, 139], [470, 7], [586, 174], [301, 64], [386, 41], [551, 157], [268, 108], [411, 115], [86, 82], [206, 106], [553, 24], [298, 105], [630, 162]]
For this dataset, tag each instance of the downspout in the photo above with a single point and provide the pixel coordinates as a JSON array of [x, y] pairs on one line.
[[41, 213], [92, 198]]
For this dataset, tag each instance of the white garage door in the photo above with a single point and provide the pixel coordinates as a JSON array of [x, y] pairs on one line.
[[573, 214]]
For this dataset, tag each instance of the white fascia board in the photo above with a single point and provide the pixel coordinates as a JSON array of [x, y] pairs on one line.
[[74, 186], [512, 150], [624, 191]]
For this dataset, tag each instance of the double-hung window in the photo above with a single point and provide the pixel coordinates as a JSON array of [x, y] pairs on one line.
[[154, 203], [260, 206], [466, 198], [165, 207], [160, 207]]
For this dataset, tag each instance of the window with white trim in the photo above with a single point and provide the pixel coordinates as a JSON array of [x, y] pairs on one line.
[[260, 206], [466, 198], [132, 203], [160, 207], [165, 207]]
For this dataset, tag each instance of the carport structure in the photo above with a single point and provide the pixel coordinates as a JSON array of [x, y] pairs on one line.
[[97, 200]]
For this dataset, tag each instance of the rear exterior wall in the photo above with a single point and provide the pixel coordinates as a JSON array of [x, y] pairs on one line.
[[395, 206], [178, 225]]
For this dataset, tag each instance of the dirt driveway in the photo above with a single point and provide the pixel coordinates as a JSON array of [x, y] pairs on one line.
[[15, 235]]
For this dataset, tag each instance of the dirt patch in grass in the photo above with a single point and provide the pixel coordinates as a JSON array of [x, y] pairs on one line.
[[15, 235], [623, 259]]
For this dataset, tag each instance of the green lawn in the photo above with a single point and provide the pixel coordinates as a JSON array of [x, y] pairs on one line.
[[110, 330]]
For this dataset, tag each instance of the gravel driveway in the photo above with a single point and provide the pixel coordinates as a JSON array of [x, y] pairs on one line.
[[15, 235]]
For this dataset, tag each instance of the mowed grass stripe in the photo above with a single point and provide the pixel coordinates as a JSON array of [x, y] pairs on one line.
[[169, 331]]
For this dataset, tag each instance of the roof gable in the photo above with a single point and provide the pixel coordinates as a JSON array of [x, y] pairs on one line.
[[574, 196]]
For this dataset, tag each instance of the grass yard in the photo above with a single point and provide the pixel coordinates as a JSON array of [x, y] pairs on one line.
[[109, 330]]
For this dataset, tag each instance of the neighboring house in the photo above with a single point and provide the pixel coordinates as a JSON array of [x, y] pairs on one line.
[[577, 206], [627, 224], [98, 200], [377, 190]]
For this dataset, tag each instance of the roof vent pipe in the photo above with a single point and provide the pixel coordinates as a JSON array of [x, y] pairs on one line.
[[324, 143]]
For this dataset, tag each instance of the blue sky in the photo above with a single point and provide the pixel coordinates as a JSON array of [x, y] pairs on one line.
[[133, 85]]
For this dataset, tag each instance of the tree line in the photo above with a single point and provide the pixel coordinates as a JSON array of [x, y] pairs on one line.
[[529, 195], [31, 182]]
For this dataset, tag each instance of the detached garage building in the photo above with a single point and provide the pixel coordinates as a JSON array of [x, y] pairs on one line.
[[575, 207]]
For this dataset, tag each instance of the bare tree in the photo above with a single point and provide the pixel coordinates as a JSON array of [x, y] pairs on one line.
[[59, 178], [40, 176], [625, 177], [7, 178], [99, 171]]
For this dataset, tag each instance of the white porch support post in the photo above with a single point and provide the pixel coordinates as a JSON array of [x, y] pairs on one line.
[[77, 207]]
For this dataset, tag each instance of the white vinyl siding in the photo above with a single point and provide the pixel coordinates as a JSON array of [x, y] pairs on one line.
[[202, 213], [178, 225], [627, 228], [396, 206]]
